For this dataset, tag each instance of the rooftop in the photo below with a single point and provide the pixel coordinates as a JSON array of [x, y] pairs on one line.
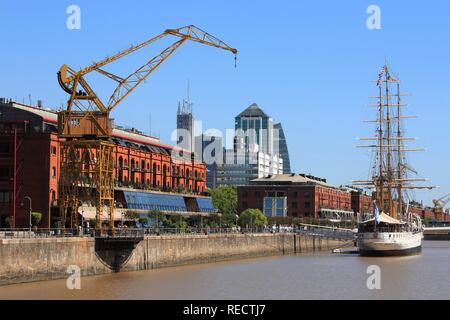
[[253, 111], [291, 179], [126, 137]]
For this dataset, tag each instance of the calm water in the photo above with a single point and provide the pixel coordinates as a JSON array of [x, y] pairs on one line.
[[307, 276]]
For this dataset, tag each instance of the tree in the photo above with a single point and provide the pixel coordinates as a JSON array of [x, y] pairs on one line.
[[175, 221], [252, 217], [225, 200], [158, 216], [131, 215], [92, 222], [144, 221], [36, 218]]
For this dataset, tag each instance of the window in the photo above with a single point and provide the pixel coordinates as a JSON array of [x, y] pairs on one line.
[[244, 205], [307, 194], [294, 205], [257, 194], [4, 172], [4, 147], [245, 194], [275, 206], [54, 151], [4, 196], [307, 204], [53, 172]]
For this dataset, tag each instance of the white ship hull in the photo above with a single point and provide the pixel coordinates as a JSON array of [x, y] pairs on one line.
[[389, 243]]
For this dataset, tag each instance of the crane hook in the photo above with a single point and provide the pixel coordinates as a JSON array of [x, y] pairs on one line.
[[235, 60]]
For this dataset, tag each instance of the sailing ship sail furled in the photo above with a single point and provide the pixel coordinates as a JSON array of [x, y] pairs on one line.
[[393, 230]]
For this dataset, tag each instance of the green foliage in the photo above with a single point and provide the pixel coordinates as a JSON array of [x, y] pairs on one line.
[[92, 223], [225, 200], [36, 218], [144, 221], [131, 215], [252, 217], [175, 221], [213, 220]]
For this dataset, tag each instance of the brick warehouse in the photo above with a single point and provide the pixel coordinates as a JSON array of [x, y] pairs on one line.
[[302, 196], [29, 166]]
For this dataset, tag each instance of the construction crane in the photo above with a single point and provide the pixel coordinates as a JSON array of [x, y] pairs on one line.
[[442, 202], [87, 160]]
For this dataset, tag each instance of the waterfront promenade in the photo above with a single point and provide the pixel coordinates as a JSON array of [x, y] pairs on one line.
[[44, 258]]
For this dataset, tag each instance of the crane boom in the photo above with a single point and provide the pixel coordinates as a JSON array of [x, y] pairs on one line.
[[86, 114], [86, 125], [442, 202]]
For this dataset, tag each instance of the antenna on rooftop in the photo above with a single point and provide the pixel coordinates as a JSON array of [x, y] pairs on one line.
[[188, 91]]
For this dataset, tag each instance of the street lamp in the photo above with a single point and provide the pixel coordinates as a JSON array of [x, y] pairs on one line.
[[29, 198], [82, 222]]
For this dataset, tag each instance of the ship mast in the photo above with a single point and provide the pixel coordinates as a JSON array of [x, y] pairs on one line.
[[399, 152], [389, 206], [389, 179]]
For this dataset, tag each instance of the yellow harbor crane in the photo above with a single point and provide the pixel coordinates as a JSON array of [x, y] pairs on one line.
[[87, 161], [440, 203]]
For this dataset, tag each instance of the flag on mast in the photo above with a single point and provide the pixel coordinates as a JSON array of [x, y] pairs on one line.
[[377, 213], [380, 76]]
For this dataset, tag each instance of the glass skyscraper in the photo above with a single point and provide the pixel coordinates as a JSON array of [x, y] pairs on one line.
[[254, 128], [281, 144]]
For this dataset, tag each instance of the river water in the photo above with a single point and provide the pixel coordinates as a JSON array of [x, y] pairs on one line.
[[304, 276]]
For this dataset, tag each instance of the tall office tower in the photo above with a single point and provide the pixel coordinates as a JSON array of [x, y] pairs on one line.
[[280, 147], [185, 126], [209, 149], [254, 129]]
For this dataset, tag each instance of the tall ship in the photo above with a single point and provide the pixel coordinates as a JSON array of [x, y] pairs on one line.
[[393, 229]]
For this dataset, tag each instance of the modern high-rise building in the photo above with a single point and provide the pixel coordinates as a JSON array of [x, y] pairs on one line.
[[240, 167], [254, 129], [209, 150], [280, 144], [253, 155], [185, 126]]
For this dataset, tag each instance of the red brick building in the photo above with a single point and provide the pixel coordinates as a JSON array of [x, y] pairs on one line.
[[431, 214], [302, 196], [29, 164]]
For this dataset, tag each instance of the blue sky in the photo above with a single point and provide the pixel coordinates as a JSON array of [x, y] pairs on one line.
[[306, 63]]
